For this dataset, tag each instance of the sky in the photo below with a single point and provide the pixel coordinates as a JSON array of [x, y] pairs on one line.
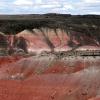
[[73, 7]]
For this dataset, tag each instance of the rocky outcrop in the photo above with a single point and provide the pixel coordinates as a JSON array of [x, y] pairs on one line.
[[52, 32], [81, 29]]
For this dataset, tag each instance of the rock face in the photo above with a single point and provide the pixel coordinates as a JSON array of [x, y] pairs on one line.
[[53, 29], [50, 41], [47, 41]]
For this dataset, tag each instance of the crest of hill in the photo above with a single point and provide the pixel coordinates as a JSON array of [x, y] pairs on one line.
[[24, 33]]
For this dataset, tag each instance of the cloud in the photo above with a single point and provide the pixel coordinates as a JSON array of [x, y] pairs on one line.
[[68, 6], [27, 2], [97, 13], [23, 2], [86, 7], [39, 1], [49, 6], [91, 1]]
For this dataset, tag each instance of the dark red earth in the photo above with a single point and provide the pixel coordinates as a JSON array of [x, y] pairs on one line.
[[41, 79], [44, 77]]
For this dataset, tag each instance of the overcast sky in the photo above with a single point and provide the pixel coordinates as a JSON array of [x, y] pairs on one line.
[[49, 6]]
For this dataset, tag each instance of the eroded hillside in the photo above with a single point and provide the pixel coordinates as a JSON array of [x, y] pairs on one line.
[[75, 30]]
